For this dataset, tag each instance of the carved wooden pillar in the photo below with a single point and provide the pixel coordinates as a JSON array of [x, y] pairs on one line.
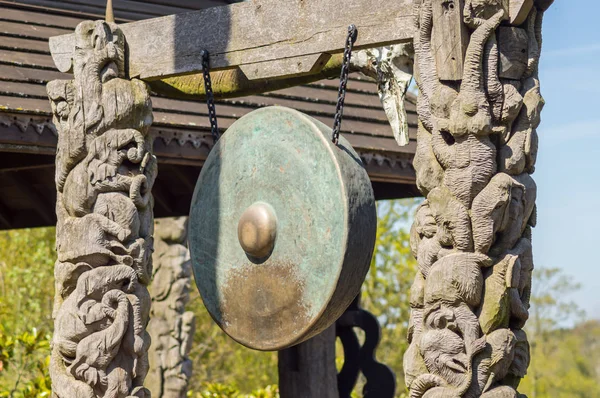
[[104, 176], [476, 152], [171, 327]]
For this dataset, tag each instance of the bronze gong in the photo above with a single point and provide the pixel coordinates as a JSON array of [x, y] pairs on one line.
[[282, 228]]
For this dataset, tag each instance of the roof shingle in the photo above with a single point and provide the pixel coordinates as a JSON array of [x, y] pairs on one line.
[[181, 127]]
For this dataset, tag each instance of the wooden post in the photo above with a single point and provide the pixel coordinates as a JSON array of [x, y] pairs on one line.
[[476, 151], [308, 369], [171, 326], [105, 171]]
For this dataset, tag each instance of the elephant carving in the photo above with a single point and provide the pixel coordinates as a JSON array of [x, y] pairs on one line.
[[105, 171], [476, 150]]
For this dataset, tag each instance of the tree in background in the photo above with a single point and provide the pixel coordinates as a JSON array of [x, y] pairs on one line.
[[26, 291], [27, 279], [565, 362], [386, 292]]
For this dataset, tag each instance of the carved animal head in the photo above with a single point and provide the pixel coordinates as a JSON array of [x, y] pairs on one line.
[[452, 219], [424, 242], [521, 359], [99, 57], [524, 251], [424, 221], [62, 95], [414, 365], [470, 113], [490, 212], [106, 98], [100, 50], [501, 211], [445, 355], [502, 343], [99, 98]]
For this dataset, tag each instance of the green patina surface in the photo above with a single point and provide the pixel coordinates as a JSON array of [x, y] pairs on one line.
[[320, 194]]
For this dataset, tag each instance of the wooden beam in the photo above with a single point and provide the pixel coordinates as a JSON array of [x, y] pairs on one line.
[[233, 83], [265, 38]]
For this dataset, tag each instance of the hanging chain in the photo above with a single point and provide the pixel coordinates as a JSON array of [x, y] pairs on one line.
[[210, 99], [339, 109]]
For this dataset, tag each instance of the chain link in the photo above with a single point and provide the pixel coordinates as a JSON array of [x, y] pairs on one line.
[[339, 109], [210, 99]]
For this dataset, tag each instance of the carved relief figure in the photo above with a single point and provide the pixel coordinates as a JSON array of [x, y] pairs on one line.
[[105, 170], [476, 151], [171, 327]]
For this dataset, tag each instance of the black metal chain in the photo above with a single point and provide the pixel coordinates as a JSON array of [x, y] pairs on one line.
[[210, 99], [339, 109]]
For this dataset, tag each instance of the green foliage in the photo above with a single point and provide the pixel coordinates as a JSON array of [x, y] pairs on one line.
[[216, 390], [387, 286], [550, 304], [26, 296], [26, 279], [564, 362], [24, 362]]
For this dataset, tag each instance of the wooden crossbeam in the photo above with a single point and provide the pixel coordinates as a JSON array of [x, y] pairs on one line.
[[267, 39]]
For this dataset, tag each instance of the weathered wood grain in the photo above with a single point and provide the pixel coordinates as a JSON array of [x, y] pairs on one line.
[[28, 45], [23, 58], [171, 327], [476, 151], [104, 223], [450, 38], [15, 29], [519, 10], [36, 18], [257, 31], [512, 46]]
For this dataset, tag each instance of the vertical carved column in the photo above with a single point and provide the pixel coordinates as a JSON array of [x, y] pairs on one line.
[[476, 151], [104, 176], [171, 327]]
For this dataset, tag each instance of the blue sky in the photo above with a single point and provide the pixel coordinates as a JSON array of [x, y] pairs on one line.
[[568, 167]]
